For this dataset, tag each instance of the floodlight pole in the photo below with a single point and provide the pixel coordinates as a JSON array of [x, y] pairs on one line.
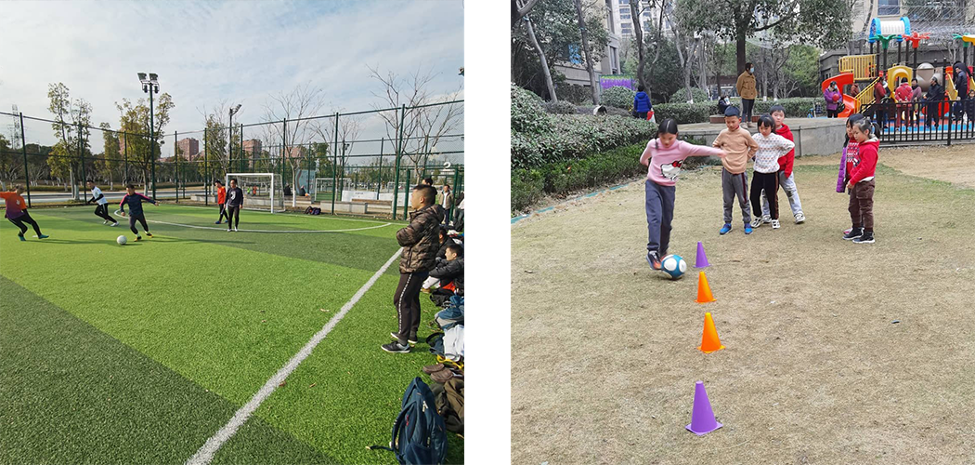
[[152, 140], [206, 172], [23, 147]]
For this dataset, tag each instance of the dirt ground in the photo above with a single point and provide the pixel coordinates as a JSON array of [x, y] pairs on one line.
[[816, 369]]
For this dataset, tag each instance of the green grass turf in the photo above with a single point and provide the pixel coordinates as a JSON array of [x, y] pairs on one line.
[[227, 310]]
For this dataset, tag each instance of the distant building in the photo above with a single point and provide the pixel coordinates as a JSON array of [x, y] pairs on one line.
[[573, 64], [189, 147]]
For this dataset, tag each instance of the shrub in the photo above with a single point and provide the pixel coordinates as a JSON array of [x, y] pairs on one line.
[[575, 136], [684, 113], [574, 93], [526, 111], [698, 96], [561, 107], [618, 96], [795, 107]]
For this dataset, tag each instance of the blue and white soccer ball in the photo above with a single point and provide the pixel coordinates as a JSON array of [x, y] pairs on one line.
[[674, 266], [121, 240]]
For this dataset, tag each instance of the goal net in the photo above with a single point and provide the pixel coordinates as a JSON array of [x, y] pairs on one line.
[[324, 188], [262, 191]]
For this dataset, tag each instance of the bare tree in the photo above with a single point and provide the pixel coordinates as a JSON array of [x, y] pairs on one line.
[[424, 124], [302, 102], [519, 9], [542, 57], [586, 50]]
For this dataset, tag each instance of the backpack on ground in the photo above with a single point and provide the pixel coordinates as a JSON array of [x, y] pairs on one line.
[[419, 432]]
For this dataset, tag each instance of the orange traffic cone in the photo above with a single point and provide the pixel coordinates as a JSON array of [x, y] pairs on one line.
[[710, 339], [705, 296]]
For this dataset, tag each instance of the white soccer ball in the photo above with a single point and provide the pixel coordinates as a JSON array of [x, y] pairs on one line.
[[674, 266], [121, 240]]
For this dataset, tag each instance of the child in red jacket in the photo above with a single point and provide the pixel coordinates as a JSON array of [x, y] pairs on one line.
[[861, 183]]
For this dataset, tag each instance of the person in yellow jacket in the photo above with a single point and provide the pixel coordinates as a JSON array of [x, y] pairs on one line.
[[746, 88]]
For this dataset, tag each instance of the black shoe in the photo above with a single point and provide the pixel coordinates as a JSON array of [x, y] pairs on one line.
[[654, 261], [854, 233], [867, 238], [395, 347], [412, 339]]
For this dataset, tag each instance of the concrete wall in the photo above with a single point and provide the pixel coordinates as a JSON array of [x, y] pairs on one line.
[[812, 136]]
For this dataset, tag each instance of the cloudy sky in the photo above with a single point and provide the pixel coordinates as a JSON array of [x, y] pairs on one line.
[[211, 52]]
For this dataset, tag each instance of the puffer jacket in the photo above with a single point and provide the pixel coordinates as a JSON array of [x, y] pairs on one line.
[[420, 240], [448, 271]]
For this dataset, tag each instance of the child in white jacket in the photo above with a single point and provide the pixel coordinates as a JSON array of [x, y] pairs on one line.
[[765, 167]]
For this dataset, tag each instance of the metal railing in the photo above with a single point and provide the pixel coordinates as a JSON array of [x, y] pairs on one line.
[[936, 121]]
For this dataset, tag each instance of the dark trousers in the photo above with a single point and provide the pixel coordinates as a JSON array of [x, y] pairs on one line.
[[132, 223], [769, 184], [932, 113], [441, 296], [102, 210], [233, 215], [833, 113], [659, 207], [748, 110], [860, 205], [25, 218], [223, 214], [407, 300], [882, 115], [641, 115], [459, 220]]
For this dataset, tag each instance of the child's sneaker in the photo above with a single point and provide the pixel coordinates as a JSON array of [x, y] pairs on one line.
[[846, 231], [41, 236], [725, 229], [235, 228], [139, 238], [867, 237], [756, 223], [22, 237], [149, 234], [747, 228], [105, 222], [852, 234], [799, 218], [766, 219], [775, 223], [654, 261], [217, 222], [115, 224], [395, 347]]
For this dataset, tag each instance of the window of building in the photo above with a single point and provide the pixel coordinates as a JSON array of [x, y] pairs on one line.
[[614, 64], [888, 7], [625, 11], [626, 17], [573, 54]]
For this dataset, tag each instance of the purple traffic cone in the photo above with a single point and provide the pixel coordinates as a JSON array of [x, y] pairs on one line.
[[700, 257], [703, 421]]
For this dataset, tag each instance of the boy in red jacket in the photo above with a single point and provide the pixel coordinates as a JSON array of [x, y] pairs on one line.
[[785, 173], [861, 186]]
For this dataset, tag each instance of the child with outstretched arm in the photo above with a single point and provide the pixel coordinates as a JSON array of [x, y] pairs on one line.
[[663, 156]]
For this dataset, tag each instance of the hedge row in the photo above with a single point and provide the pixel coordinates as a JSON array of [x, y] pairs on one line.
[[575, 136]]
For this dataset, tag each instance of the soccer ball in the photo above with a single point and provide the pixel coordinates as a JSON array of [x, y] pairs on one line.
[[674, 266], [121, 240]]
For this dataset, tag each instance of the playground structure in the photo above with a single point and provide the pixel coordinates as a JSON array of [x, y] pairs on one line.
[[866, 70]]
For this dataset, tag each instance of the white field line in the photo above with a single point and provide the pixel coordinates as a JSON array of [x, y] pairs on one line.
[[272, 231], [206, 453]]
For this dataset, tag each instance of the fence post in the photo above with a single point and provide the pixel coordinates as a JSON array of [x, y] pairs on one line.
[[400, 148], [335, 149], [81, 153], [206, 173], [454, 202], [240, 151], [23, 147], [284, 148], [125, 150], [176, 171], [380, 170]]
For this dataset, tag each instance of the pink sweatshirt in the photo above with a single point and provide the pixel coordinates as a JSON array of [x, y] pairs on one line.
[[666, 163]]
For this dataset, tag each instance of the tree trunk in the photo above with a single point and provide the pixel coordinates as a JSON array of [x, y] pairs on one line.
[[586, 50], [763, 60], [639, 40], [542, 60]]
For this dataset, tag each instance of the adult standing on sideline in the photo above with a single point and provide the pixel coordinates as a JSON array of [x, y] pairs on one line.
[[917, 101], [935, 95], [420, 245], [881, 94], [446, 200], [642, 104], [746, 87]]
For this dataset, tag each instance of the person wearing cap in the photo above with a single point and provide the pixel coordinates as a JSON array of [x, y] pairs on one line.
[[740, 147]]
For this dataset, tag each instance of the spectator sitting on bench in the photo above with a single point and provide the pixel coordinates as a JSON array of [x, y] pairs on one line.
[[302, 191], [287, 190], [445, 240]]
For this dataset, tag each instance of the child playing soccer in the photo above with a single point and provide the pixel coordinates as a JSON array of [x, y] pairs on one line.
[[102, 209], [235, 199], [221, 199], [740, 148], [16, 212], [663, 156], [785, 175], [134, 200], [861, 183], [765, 167]]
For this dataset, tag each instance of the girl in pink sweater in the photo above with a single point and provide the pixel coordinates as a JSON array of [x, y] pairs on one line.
[[663, 156]]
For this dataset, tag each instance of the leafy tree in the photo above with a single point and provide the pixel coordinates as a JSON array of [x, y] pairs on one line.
[[73, 145], [134, 121]]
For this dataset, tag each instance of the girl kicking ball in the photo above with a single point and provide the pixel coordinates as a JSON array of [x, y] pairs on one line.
[[663, 156], [134, 200], [16, 212]]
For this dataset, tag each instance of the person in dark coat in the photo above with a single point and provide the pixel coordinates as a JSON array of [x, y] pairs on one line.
[[933, 99]]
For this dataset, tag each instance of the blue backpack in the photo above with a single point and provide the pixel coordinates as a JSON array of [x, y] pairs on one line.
[[418, 434]]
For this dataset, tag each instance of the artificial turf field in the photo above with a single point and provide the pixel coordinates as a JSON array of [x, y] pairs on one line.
[[140, 353]]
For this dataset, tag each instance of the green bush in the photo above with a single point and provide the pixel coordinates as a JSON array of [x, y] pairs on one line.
[[575, 136], [526, 111], [561, 107], [684, 113], [698, 96], [794, 107], [618, 96], [574, 93]]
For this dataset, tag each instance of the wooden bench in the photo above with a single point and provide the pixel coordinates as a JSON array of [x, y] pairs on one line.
[[372, 202]]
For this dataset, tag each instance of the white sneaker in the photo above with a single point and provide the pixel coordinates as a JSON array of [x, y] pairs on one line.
[[235, 228], [799, 218], [766, 219], [105, 222], [756, 223], [775, 223], [115, 224]]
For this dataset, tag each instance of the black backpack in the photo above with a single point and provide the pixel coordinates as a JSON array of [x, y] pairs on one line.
[[419, 433]]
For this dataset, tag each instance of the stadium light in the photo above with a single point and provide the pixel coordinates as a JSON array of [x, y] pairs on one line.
[[230, 127], [151, 86]]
